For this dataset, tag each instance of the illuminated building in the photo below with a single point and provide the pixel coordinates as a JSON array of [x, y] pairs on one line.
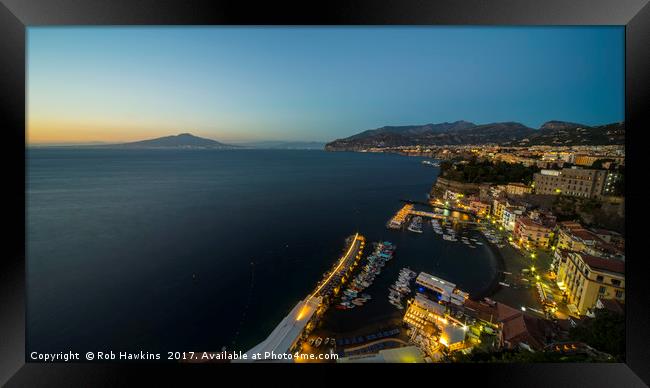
[[585, 278], [589, 159], [576, 182], [446, 291], [432, 328], [510, 216], [479, 208], [518, 189], [530, 233]]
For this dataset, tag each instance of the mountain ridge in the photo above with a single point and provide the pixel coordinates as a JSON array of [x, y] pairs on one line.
[[508, 133]]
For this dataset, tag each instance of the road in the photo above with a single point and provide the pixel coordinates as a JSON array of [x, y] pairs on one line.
[[343, 264]]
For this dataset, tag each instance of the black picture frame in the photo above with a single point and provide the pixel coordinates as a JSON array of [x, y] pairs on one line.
[[16, 15]]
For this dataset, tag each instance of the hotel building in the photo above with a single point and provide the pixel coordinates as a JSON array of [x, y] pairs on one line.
[[585, 279], [585, 183]]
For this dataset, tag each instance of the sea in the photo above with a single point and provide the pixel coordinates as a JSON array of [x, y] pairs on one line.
[[196, 250]]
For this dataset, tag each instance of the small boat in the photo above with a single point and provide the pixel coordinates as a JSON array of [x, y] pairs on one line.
[[327, 341], [416, 225], [430, 163], [319, 340]]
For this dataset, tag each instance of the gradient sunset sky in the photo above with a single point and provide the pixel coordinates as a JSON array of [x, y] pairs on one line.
[[234, 84]]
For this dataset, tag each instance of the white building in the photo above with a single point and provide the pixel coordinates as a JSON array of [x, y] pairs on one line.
[[509, 217], [447, 290]]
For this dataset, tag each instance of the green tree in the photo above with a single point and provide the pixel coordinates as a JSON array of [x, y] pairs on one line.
[[598, 164], [606, 332]]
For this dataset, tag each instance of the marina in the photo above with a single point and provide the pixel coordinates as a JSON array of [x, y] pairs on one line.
[[401, 288], [294, 329], [352, 296], [345, 304], [431, 163]]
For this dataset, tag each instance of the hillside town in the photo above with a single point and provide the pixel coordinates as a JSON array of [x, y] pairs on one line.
[[564, 273], [551, 219], [559, 291]]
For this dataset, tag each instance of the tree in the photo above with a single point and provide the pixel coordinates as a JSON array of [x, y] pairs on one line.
[[598, 164], [606, 332], [475, 171]]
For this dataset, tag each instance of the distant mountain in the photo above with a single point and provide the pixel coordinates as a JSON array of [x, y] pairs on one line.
[[464, 132], [555, 125], [415, 130], [284, 145], [183, 140], [564, 133]]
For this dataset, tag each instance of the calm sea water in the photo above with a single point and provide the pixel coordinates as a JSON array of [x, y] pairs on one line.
[[131, 250]]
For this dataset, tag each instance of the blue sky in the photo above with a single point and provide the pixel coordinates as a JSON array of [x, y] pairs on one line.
[[272, 83]]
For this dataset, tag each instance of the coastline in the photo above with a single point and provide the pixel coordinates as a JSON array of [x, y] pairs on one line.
[[501, 266]]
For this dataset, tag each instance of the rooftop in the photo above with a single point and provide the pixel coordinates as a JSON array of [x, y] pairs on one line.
[[611, 265], [520, 327], [453, 334], [611, 305], [584, 234], [425, 278], [529, 222], [571, 225]]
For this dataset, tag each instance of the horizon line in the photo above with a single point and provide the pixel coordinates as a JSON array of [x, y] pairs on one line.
[[105, 142]]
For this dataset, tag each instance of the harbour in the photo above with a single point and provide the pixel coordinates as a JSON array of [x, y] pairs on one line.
[[323, 335], [258, 280]]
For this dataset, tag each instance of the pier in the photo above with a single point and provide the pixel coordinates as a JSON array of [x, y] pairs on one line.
[[301, 319], [450, 208], [402, 215]]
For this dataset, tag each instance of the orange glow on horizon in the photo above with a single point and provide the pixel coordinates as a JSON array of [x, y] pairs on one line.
[[44, 132]]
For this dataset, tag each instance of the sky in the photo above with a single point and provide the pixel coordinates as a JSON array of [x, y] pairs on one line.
[[237, 84]]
